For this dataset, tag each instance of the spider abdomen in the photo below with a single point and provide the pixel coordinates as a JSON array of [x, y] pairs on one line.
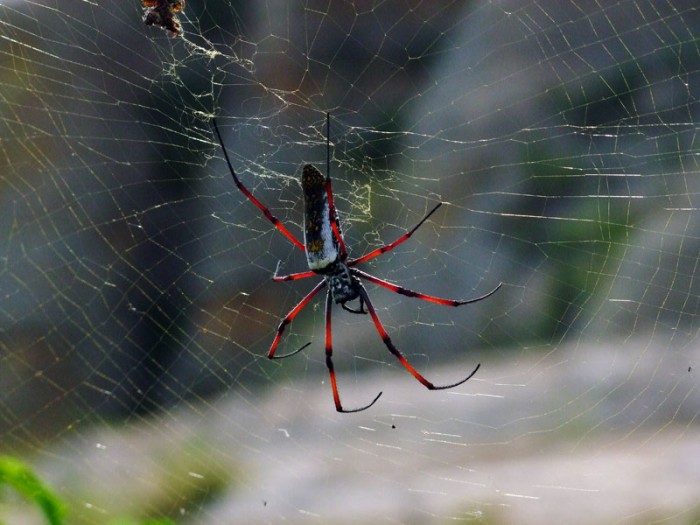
[[321, 245]]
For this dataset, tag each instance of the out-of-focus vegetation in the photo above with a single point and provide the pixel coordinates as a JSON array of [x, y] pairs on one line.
[[17, 475]]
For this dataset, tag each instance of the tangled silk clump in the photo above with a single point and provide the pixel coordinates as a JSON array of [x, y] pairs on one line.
[[161, 13]]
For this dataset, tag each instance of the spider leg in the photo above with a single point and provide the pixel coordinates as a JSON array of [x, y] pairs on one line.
[[360, 310], [390, 345], [290, 354], [410, 293], [332, 216], [291, 276], [391, 246], [288, 319], [274, 220], [329, 362]]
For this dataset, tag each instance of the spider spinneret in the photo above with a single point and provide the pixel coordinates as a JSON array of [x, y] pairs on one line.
[[327, 256]]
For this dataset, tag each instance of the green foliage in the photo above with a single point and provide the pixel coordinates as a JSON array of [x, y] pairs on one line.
[[20, 477]]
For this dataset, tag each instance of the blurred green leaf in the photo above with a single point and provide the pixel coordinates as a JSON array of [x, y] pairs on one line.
[[20, 477]]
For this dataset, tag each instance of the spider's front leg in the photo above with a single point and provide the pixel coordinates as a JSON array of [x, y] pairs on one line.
[[395, 351], [288, 319], [329, 362], [360, 310], [418, 295]]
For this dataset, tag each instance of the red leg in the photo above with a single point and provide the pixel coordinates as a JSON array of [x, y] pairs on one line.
[[274, 220], [418, 295], [288, 319], [291, 276], [389, 247], [329, 362], [387, 341]]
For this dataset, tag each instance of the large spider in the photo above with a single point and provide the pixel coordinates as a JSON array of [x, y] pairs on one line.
[[327, 256]]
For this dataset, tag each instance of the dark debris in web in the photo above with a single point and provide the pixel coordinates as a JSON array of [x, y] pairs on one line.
[[162, 13]]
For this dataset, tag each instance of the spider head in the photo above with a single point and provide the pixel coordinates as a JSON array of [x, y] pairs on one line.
[[343, 286]]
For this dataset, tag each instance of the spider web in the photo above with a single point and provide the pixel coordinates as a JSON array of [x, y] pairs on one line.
[[137, 305]]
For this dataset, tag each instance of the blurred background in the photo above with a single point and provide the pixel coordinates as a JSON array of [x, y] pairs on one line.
[[137, 302]]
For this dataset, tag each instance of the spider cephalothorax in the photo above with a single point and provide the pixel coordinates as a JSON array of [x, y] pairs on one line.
[[327, 256], [342, 285]]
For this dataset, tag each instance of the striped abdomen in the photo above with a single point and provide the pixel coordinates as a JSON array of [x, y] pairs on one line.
[[321, 245]]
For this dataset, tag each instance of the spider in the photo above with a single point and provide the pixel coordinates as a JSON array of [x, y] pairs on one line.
[[327, 256]]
